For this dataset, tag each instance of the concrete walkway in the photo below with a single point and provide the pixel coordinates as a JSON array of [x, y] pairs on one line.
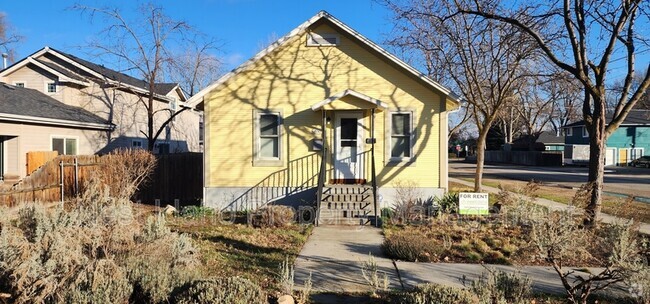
[[333, 255], [552, 205]]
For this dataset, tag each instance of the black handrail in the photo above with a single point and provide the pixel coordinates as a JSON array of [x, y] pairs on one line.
[[321, 184], [372, 166]]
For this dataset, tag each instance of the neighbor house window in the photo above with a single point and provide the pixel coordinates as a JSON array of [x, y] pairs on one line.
[[568, 131], [201, 130], [136, 143], [173, 104], [51, 87], [584, 132], [268, 138], [19, 84], [64, 145], [315, 39], [401, 135]]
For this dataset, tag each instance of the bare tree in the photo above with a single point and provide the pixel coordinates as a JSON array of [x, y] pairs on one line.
[[598, 33], [8, 37], [196, 66], [484, 60], [145, 45], [535, 106], [568, 100]]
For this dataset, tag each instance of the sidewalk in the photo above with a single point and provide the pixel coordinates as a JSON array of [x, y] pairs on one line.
[[333, 255], [552, 205]]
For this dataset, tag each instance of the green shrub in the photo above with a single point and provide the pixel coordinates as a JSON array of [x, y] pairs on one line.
[[448, 203], [410, 246], [197, 211], [235, 290], [438, 294]]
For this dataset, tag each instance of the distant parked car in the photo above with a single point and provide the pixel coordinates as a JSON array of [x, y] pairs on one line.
[[643, 161]]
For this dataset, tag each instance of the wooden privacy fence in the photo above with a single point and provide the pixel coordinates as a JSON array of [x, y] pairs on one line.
[[39, 158], [177, 180], [49, 182]]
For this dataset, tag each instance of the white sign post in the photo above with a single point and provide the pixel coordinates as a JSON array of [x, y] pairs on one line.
[[473, 203]]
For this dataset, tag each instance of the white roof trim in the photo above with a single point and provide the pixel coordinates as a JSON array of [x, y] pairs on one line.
[[62, 77], [347, 92], [54, 121], [47, 49], [198, 97]]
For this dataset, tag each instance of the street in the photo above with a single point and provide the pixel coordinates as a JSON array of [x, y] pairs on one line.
[[622, 180]]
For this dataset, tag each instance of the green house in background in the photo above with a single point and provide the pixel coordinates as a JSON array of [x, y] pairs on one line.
[[629, 142]]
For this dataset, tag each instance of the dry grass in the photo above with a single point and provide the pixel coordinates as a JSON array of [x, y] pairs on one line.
[[612, 205], [239, 250]]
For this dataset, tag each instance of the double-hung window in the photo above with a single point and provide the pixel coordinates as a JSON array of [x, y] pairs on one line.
[[268, 138], [401, 136]]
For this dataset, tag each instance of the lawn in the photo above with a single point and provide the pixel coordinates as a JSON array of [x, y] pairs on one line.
[[229, 249], [612, 205]]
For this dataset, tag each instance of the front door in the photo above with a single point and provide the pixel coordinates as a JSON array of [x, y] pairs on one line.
[[348, 149]]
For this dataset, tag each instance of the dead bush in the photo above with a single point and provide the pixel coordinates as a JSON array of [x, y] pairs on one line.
[[124, 170], [273, 216], [235, 290], [409, 206], [583, 196], [91, 252], [411, 246], [439, 294]]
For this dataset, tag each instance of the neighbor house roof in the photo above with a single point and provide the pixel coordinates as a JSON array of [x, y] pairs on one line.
[[86, 67], [550, 137], [323, 15], [634, 118], [31, 106]]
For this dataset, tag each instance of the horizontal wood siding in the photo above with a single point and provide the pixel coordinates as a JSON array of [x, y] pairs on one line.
[[295, 77]]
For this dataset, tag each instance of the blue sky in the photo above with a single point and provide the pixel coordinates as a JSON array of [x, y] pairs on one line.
[[244, 26]]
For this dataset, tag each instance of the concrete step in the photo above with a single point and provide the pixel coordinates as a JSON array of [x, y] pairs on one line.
[[346, 197], [345, 205], [347, 189], [343, 221]]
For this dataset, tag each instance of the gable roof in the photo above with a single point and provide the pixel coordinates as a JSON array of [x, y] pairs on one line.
[[634, 118], [375, 103], [31, 106], [323, 15], [87, 67]]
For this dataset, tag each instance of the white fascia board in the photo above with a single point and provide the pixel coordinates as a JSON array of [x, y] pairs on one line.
[[62, 78], [350, 92], [54, 121]]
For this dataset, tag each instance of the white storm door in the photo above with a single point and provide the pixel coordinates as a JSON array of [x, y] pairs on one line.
[[348, 160]]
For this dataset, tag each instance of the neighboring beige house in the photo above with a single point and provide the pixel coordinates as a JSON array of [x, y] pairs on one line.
[[114, 97], [33, 121]]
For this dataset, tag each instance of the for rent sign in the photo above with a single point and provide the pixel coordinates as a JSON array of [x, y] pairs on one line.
[[473, 203]]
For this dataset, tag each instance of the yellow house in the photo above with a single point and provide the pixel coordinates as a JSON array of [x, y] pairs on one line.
[[324, 118]]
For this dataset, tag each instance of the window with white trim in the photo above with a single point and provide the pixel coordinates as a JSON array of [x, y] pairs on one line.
[[51, 87], [568, 131], [584, 132], [322, 39], [268, 138], [173, 104], [64, 145], [19, 84], [136, 143], [401, 135]]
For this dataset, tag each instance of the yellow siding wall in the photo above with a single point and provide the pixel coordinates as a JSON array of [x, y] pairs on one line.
[[293, 78]]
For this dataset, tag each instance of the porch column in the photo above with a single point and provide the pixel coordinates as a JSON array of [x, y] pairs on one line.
[[372, 165]]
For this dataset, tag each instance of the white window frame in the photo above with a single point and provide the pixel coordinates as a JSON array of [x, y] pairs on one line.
[[569, 131], [259, 161], [311, 39], [133, 141], [20, 82], [47, 87], [173, 104], [389, 136], [584, 132], [64, 137]]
